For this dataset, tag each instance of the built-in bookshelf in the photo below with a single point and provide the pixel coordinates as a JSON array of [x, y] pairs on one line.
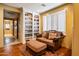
[[31, 25], [28, 25], [36, 25]]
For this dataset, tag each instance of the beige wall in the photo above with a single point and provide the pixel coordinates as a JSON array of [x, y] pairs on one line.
[[69, 19], [1, 26], [21, 26], [75, 45], [11, 8]]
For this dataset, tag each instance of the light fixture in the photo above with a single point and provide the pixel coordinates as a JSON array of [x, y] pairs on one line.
[[43, 5]]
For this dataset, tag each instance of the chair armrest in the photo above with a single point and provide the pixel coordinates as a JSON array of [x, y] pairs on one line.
[[58, 38], [39, 35]]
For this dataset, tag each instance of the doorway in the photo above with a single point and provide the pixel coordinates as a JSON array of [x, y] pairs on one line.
[[10, 27]]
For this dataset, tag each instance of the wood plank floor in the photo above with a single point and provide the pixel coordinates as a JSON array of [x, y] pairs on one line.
[[19, 50], [8, 40]]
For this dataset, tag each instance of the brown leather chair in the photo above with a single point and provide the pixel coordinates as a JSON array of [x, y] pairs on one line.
[[53, 40]]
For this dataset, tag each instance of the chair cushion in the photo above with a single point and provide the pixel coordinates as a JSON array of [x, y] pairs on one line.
[[52, 35], [49, 42], [45, 34], [36, 46]]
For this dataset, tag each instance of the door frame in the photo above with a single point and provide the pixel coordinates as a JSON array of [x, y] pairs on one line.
[[13, 23]]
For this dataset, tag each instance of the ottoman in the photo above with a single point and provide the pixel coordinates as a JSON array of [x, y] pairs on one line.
[[36, 47]]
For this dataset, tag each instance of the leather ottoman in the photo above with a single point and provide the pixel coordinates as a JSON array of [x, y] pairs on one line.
[[36, 47]]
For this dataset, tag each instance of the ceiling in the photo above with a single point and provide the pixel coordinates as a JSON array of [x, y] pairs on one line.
[[35, 7]]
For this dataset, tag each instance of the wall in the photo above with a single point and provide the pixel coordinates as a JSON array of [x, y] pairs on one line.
[[21, 27], [1, 26], [75, 45], [2, 7], [11, 8], [69, 19]]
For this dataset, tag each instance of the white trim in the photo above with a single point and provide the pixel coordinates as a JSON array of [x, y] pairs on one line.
[[24, 41]]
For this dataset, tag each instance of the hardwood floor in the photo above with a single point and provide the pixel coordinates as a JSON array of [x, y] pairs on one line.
[[18, 50], [8, 40]]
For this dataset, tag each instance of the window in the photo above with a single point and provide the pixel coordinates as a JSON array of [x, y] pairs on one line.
[[55, 21], [62, 21]]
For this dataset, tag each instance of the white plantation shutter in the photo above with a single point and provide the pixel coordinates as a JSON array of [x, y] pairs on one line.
[[55, 21], [62, 21], [48, 22]]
